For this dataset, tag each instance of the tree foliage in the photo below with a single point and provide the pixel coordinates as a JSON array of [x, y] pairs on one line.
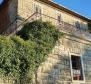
[[22, 54]]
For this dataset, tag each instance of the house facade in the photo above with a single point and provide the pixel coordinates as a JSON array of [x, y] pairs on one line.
[[70, 60]]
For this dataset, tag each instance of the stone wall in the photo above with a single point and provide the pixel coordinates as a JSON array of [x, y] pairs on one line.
[[6, 80], [26, 9], [57, 68], [65, 16]]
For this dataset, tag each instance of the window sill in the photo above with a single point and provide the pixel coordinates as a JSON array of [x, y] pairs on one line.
[[78, 81]]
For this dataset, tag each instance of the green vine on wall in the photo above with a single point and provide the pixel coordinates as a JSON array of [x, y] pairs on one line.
[[21, 55]]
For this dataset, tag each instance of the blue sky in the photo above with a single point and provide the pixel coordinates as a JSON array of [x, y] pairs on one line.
[[82, 7], [1, 1]]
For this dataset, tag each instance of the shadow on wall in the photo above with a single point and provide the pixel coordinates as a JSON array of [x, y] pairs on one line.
[[4, 16], [8, 12], [56, 69], [87, 63]]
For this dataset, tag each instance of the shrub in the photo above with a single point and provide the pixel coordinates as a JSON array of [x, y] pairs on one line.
[[21, 55]]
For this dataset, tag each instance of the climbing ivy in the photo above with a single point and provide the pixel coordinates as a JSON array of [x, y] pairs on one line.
[[21, 55]]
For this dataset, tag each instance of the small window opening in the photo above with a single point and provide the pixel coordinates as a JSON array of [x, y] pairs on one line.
[[59, 18], [77, 68], [77, 25], [37, 9]]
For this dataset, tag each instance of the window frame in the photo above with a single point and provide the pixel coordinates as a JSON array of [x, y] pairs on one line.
[[58, 13], [59, 18], [40, 8], [78, 25], [36, 4], [77, 81]]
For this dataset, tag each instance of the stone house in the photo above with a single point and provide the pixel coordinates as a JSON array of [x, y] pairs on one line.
[[70, 60]]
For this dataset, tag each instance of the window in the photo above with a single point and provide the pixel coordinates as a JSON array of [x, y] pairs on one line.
[[59, 18], [83, 26], [77, 70], [37, 9], [77, 25]]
